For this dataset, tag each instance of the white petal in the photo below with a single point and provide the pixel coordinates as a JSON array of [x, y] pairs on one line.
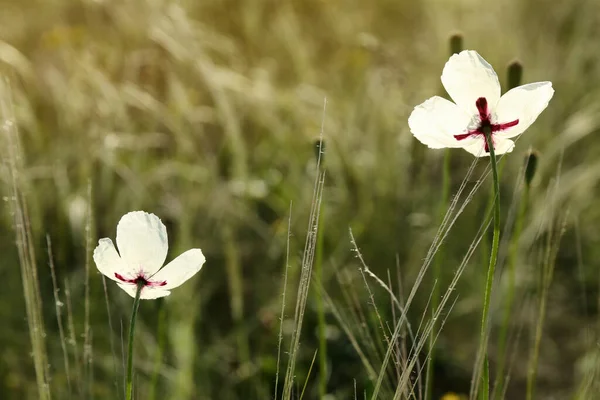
[[501, 146], [477, 148], [142, 241], [148, 293], [436, 121], [180, 269], [524, 103], [467, 77], [108, 260]]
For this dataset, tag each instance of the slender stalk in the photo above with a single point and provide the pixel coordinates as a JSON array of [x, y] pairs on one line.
[[59, 318], [282, 315], [87, 344], [320, 310], [72, 340], [436, 277], [318, 294], [491, 267], [136, 303], [25, 240], [553, 243], [111, 330], [235, 281], [512, 260]]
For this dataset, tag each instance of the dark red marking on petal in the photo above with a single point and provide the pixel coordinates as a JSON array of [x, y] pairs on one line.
[[466, 135], [121, 278], [140, 279], [155, 284], [485, 123], [463, 136], [482, 107], [506, 125]]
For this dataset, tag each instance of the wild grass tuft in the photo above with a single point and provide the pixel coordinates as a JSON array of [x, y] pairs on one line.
[[18, 200], [205, 113]]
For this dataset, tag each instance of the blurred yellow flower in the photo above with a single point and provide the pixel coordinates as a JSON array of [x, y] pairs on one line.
[[452, 396]]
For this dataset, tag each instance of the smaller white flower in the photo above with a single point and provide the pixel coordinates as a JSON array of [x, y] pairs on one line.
[[142, 242], [474, 87]]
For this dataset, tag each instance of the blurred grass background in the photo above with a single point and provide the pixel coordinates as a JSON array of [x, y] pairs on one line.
[[206, 114]]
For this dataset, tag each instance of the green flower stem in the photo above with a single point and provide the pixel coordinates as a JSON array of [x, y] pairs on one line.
[[492, 265], [437, 267], [136, 303]]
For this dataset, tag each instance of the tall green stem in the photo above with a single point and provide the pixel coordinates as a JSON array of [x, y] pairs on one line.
[[318, 271], [322, 323], [136, 303], [437, 264], [491, 267]]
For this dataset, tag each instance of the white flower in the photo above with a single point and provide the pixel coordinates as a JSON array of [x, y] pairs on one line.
[[474, 87], [142, 242]]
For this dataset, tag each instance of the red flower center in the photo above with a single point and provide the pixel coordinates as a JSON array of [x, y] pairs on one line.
[[140, 278], [485, 123]]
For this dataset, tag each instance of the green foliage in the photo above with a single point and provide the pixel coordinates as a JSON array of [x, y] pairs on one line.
[[206, 114]]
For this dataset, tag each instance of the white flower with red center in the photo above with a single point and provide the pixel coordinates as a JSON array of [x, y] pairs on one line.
[[477, 108], [142, 243]]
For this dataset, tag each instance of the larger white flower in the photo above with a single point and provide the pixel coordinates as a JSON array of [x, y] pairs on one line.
[[142, 242], [474, 87]]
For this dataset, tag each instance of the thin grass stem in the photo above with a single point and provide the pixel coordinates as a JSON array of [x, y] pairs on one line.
[[491, 268], [136, 303], [318, 294], [510, 295], [437, 275], [111, 330], [72, 337], [282, 315], [321, 324], [552, 246], [87, 344], [58, 305], [312, 363]]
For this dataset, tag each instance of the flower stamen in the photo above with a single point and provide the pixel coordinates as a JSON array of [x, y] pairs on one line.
[[485, 123], [140, 278]]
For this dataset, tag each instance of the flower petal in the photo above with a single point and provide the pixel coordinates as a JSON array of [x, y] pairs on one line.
[[148, 293], [501, 146], [142, 241], [436, 121], [523, 103], [180, 269], [108, 260], [467, 77]]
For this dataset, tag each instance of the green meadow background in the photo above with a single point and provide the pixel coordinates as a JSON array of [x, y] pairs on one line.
[[208, 114]]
